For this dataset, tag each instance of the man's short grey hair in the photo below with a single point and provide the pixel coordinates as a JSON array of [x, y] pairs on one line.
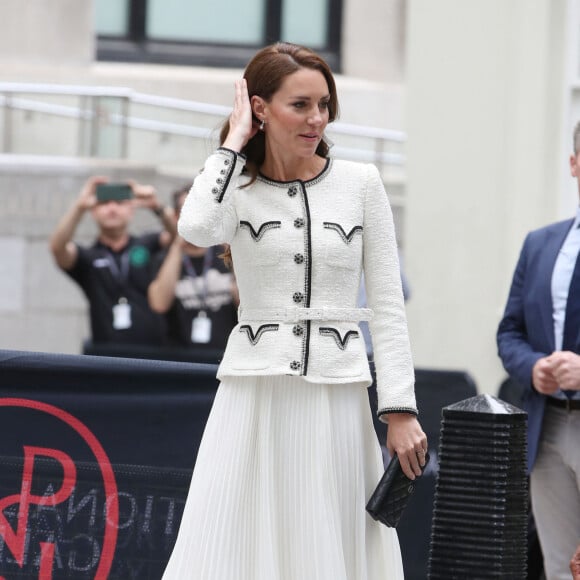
[[577, 138]]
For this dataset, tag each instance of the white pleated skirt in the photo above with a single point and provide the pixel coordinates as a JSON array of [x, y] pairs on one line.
[[279, 489]]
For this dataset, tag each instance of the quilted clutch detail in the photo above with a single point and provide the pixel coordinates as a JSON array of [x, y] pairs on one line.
[[391, 495]]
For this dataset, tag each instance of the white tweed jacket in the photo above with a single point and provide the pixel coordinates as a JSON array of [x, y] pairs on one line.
[[298, 250]]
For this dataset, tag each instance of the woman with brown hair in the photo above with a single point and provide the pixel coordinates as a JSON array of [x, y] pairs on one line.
[[289, 455]]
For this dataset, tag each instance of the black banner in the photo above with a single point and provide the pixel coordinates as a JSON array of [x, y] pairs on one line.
[[96, 455]]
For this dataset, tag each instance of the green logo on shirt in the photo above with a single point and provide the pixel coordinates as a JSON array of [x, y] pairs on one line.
[[139, 256]]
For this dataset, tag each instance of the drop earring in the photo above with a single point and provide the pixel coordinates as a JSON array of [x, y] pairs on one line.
[[262, 125]]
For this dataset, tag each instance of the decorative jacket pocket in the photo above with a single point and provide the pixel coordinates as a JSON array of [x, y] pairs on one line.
[[252, 348], [254, 337], [341, 341], [262, 241], [343, 245], [343, 354]]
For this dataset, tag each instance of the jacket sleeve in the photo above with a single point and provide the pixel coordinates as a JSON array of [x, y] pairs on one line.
[[392, 352], [516, 353], [208, 216]]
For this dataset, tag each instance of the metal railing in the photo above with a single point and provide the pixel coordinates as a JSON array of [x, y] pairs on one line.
[[99, 108]]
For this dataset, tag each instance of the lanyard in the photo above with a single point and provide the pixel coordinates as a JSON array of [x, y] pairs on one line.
[[190, 270], [120, 274]]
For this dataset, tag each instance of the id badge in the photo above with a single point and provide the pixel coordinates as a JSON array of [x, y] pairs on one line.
[[122, 315], [201, 328]]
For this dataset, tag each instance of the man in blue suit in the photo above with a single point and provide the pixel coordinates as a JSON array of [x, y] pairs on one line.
[[539, 344]]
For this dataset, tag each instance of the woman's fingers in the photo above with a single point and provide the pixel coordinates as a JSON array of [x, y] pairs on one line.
[[421, 456], [409, 465], [412, 462], [241, 129], [406, 438]]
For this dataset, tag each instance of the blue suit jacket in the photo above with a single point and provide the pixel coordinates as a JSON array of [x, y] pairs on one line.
[[526, 331]]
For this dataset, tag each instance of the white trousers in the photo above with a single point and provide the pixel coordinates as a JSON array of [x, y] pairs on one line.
[[555, 490]]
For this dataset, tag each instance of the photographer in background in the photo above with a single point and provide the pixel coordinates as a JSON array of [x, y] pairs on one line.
[[196, 292], [115, 271]]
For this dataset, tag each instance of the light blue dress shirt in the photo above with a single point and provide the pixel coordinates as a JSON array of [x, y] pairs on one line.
[[561, 278]]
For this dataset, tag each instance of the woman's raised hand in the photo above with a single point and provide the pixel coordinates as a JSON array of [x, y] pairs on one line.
[[242, 126]]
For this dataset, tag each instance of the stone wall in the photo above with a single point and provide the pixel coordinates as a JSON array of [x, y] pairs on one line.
[[41, 309]]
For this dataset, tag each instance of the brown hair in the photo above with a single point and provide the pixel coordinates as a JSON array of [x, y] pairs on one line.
[[264, 76]]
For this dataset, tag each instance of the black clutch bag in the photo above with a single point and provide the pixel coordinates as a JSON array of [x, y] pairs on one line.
[[390, 498]]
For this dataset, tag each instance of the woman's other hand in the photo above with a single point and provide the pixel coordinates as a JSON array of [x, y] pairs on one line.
[[406, 438]]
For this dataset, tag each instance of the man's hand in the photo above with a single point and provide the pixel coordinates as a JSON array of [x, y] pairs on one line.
[[565, 368], [145, 196], [542, 376], [63, 249], [87, 198]]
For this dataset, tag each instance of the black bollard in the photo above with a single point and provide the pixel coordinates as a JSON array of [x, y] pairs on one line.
[[479, 527]]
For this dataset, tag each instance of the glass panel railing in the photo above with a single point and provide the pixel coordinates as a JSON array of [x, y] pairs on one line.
[[109, 122]]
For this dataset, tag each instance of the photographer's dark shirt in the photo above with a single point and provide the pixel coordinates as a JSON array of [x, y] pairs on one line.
[[202, 286], [106, 277]]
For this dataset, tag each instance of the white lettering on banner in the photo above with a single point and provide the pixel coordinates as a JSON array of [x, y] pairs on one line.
[[91, 562], [89, 499], [75, 527]]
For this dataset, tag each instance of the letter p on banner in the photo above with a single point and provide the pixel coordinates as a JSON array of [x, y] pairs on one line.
[[16, 539]]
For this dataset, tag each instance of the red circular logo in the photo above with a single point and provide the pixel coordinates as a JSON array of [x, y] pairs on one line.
[[15, 539]]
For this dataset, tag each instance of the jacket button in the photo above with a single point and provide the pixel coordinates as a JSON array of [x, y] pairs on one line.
[[292, 191], [294, 365], [298, 297], [298, 258], [297, 330], [298, 223]]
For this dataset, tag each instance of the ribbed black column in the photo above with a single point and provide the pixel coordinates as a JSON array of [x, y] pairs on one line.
[[480, 514]]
